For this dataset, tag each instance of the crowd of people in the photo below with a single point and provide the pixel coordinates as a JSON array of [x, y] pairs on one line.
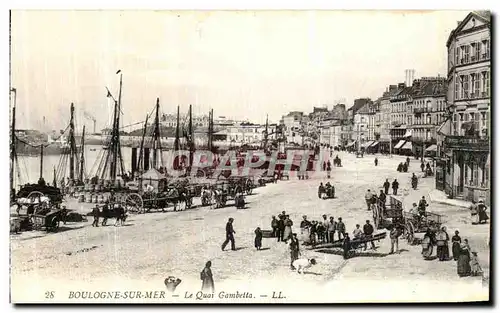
[[466, 260]]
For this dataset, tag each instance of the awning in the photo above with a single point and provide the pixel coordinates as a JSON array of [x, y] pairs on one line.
[[351, 144], [408, 133], [407, 146], [374, 144], [431, 148], [400, 144], [367, 144]]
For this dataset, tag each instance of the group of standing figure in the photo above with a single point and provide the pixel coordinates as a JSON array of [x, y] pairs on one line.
[[314, 232], [467, 264], [282, 227]]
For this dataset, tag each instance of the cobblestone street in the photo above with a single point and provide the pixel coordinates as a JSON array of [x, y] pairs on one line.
[[156, 245]]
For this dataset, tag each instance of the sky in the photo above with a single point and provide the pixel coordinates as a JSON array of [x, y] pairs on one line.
[[242, 64]]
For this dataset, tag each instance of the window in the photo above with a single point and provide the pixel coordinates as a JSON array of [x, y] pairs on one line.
[[473, 84], [465, 86], [457, 56], [477, 51], [466, 54], [485, 84], [486, 49], [429, 119], [462, 55]]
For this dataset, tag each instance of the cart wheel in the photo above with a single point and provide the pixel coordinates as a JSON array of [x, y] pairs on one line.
[[53, 224], [134, 203], [35, 197], [409, 232]]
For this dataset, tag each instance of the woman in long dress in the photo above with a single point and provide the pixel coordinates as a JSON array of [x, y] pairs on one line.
[[443, 252], [258, 238], [463, 263], [427, 244], [288, 229], [207, 278], [456, 241]]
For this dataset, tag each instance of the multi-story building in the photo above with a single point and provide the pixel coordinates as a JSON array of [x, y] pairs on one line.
[[358, 104], [364, 124], [465, 163], [330, 132], [292, 127], [383, 121], [429, 112], [400, 103]]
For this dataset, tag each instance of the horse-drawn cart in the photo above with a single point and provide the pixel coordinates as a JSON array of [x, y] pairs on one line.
[[50, 220], [392, 215]]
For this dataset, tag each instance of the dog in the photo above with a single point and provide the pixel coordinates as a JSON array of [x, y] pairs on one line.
[[301, 264]]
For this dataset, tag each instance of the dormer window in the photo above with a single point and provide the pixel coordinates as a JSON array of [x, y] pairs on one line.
[[473, 22]]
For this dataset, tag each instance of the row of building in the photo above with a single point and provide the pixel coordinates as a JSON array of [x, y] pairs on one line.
[[447, 117]]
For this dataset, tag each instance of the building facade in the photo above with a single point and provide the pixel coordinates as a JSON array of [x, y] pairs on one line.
[[292, 127], [400, 101], [466, 154], [429, 112]]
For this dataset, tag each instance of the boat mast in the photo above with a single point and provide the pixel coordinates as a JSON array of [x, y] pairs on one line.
[[72, 143], [191, 136], [115, 137], [82, 157], [156, 135], [13, 146], [176, 142], [41, 161], [141, 148], [266, 132], [210, 129]]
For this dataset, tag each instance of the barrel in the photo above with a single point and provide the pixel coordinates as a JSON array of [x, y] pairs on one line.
[[81, 198], [88, 197], [87, 187]]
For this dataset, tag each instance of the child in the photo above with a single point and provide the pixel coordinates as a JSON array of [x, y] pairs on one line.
[[476, 269], [258, 238]]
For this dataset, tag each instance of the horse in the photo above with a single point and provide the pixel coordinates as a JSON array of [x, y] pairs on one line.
[[206, 197]]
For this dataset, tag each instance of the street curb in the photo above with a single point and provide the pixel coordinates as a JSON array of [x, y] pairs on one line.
[[453, 202]]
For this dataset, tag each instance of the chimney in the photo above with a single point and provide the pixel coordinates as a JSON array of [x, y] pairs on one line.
[[401, 85], [393, 88], [409, 76]]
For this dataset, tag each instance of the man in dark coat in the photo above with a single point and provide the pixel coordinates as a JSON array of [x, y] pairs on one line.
[[341, 229], [229, 235], [346, 245], [386, 186], [95, 214], [382, 198], [395, 186], [281, 227], [294, 250], [105, 214], [274, 226], [422, 166], [414, 181], [321, 190], [368, 231]]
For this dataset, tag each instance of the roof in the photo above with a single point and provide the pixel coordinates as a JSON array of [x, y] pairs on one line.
[[430, 88], [485, 16], [359, 103]]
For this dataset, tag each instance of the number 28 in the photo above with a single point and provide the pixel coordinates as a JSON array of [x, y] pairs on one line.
[[49, 295]]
